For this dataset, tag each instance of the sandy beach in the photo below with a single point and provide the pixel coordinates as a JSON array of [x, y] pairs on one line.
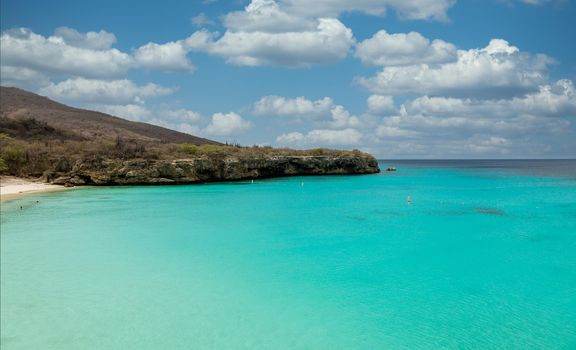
[[14, 187]]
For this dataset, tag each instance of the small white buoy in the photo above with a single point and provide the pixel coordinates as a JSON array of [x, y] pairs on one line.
[[302, 184], [252, 180], [408, 199]]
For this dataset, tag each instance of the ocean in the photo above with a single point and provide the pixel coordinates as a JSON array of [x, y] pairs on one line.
[[482, 257]]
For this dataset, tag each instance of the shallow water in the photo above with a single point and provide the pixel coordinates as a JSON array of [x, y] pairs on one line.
[[484, 257]]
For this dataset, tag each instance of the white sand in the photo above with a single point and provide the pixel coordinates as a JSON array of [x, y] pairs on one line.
[[14, 187]]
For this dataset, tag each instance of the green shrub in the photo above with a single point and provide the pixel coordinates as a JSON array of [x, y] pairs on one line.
[[190, 148], [316, 151], [14, 157], [3, 166]]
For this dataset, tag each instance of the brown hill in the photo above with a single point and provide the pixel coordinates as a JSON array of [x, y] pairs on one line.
[[27, 115], [71, 146]]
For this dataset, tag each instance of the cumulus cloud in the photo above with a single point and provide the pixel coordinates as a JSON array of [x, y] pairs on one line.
[[54, 56], [22, 77], [394, 132], [299, 33], [101, 40], [540, 2], [409, 9], [496, 70], [170, 56], [183, 115], [227, 124], [182, 120], [459, 126], [456, 127], [132, 112], [323, 112], [402, 49], [329, 41], [341, 118], [295, 107], [201, 20], [30, 60], [113, 92], [381, 105], [266, 16], [558, 99], [477, 146], [321, 137]]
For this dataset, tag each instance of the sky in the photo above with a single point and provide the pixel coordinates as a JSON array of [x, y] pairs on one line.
[[401, 79]]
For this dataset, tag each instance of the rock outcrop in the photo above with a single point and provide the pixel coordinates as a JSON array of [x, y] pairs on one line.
[[101, 171]]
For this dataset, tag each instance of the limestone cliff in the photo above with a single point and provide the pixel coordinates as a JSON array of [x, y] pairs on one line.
[[102, 171]]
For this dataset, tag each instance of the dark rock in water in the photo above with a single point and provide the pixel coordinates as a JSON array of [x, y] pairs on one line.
[[100, 171], [490, 211]]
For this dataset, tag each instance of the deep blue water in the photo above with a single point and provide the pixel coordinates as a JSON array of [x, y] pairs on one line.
[[484, 257]]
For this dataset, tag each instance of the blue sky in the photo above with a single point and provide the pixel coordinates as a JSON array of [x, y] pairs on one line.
[[400, 79]]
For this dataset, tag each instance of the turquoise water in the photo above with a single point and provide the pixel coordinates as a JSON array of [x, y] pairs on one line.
[[484, 257]]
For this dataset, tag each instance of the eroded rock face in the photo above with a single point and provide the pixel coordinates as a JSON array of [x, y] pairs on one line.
[[99, 171]]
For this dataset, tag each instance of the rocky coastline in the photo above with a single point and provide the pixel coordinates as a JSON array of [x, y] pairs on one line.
[[99, 171]]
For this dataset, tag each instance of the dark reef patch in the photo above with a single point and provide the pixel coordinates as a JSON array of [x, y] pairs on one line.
[[490, 211]]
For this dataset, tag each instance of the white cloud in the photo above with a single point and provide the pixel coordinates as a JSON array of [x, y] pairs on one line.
[[441, 126], [182, 115], [22, 77], [54, 56], [117, 92], [540, 2], [457, 127], [401, 49], [101, 40], [266, 16], [182, 120], [299, 33], [130, 111], [170, 56], [295, 107], [69, 53], [496, 70], [330, 41], [341, 118], [200, 40], [488, 144], [558, 99], [381, 105], [409, 9], [291, 138], [321, 137], [394, 132], [202, 20], [323, 111], [227, 124], [529, 125]]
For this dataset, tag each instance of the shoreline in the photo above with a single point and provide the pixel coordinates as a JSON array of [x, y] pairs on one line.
[[12, 187]]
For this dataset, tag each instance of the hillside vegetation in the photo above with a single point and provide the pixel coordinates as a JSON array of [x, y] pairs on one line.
[[40, 137]]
